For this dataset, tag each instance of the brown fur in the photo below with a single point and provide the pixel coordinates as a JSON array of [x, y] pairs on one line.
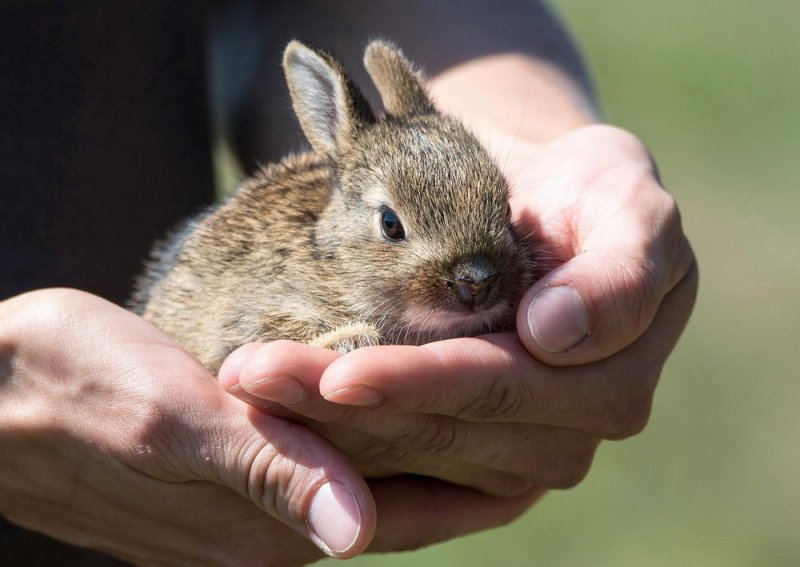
[[298, 251]]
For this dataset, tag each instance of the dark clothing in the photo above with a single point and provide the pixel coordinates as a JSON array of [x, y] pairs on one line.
[[104, 140], [104, 143]]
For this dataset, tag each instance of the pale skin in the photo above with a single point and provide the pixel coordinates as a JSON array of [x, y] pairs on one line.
[[120, 441], [507, 414], [114, 437]]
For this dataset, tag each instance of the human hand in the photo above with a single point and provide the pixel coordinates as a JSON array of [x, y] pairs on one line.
[[618, 282], [114, 438], [609, 242]]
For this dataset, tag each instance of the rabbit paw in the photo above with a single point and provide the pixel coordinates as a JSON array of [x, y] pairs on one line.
[[348, 337]]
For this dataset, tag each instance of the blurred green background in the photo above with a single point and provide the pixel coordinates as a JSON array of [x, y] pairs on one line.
[[713, 88]]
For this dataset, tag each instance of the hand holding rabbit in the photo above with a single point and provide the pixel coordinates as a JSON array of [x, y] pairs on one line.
[[393, 230]]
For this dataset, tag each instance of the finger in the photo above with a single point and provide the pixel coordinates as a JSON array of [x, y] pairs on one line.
[[282, 377], [232, 366], [379, 444], [449, 511], [230, 380], [484, 379], [606, 296], [498, 459], [290, 472], [493, 378], [284, 371]]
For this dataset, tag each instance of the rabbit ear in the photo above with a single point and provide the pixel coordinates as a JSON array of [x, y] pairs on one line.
[[399, 84], [329, 106]]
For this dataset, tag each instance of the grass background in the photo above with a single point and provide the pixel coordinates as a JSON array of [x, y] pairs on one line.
[[713, 88]]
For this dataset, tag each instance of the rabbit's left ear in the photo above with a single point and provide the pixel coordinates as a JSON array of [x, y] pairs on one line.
[[327, 103], [400, 85]]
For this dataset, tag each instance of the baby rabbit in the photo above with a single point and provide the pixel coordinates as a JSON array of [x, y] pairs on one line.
[[392, 230]]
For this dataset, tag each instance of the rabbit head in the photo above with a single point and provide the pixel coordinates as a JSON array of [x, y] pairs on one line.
[[418, 228]]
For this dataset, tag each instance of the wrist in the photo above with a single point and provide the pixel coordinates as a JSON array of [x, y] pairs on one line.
[[514, 97]]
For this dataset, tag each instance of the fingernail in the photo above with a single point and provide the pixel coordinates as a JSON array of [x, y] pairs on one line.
[[334, 518], [557, 318], [281, 389], [356, 395]]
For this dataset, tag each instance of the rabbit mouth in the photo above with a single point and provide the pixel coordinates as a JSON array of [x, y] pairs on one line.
[[435, 324]]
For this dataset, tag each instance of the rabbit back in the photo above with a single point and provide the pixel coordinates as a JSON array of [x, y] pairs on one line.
[[247, 270]]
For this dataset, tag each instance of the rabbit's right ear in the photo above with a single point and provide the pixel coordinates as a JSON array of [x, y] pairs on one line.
[[327, 103]]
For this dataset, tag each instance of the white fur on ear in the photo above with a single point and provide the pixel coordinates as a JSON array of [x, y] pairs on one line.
[[327, 104]]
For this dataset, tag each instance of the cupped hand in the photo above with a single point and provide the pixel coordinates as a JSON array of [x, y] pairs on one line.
[[504, 413], [114, 438], [609, 242]]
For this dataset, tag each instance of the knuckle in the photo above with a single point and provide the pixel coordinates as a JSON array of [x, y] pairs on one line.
[[647, 267], [339, 415], [575, 469], [269, 475], [279, 474], [171, 438], [678, 251], [670, 213], [562, 463], [638, 295], [154, 437], [507, 485], [634, 419], [625, 416], [55, 305], [500, 402], [567, 471], [379, 452], [667, 228], [45, 309], [439, 436]]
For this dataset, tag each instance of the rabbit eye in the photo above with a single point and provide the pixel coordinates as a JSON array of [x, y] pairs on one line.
[[391, 227]]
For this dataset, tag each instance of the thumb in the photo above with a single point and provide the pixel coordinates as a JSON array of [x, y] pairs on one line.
[[600, 301], [603, 210], [294, 475]]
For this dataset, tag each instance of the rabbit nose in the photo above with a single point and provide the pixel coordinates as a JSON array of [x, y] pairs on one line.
[[473, 279], [473, 290]]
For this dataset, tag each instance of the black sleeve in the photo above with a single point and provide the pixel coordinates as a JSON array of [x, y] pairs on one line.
[[437, 34], [104, 143], [104, 140]]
